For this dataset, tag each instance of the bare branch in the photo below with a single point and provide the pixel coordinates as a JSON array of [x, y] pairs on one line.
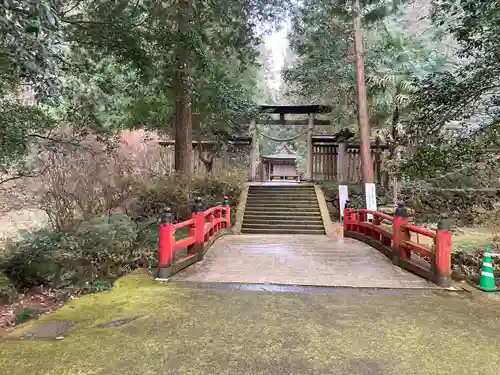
[[18, 176]]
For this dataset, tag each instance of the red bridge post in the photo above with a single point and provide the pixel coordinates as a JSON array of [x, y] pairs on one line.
[[348, 216], [198, 214], [165, 244], [442, 262], [398, 244], [400, 218], [227, 213]]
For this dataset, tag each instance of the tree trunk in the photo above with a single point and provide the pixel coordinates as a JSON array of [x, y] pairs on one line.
[[362, 110], [183, 87], [394, 131]]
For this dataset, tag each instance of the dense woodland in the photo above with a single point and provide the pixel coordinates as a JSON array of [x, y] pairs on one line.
[[195, 70], [432, 73], [76, 75]]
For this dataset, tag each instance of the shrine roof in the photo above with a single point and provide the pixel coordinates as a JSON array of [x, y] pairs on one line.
[[280, 156], [295, 109]]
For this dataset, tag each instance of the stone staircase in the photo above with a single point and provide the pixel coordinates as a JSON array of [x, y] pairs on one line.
[[282, 209]]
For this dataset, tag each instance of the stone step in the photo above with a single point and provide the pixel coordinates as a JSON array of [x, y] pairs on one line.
[[283, 226], [285, 208], [286, 190], [284, 195], [283, 216], [281, 231], [259, 210], [278, 200], [285, 220], [280, 186], [287, 216], [282, 202]]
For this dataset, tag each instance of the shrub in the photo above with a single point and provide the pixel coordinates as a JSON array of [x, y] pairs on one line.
[[25, 314], [30, 261], [8, 292], [178, 192], [494, 222], [104, 246], [100, 250], [80, 184]]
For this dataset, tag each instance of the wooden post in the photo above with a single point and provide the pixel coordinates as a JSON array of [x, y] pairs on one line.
[[395, 187], [199, 227], [378, 159], [442, 261], [253, 150], [341, 158], [400, 218], [395, 176], [309, 167], [166, 244], [227, 213]]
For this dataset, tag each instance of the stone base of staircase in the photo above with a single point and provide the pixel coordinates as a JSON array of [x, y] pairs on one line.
[[282, 209]]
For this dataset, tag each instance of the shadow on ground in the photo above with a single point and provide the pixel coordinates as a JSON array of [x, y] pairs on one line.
[[181, 330]]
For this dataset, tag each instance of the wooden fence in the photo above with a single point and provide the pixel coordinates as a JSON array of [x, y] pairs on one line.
[[326, 162], [236, 156]]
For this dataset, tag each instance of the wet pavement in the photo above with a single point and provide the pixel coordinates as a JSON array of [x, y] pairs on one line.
[[307, 260]]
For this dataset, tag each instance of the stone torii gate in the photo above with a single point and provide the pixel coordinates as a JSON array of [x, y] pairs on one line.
[[284, 110]]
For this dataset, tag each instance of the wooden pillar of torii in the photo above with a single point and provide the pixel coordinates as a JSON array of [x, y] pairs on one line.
[[309, 166], [254, 150]]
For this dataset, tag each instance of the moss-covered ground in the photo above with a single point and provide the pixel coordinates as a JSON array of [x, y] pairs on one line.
[[182, 330]]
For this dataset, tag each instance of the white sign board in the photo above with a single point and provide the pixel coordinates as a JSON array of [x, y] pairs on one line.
[[343, 196], [371, 198]]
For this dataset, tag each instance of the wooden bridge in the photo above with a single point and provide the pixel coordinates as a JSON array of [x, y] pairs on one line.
[[283, 233], [369, 250]]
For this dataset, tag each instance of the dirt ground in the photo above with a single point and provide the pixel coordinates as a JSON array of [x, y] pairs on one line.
[[184, 330]]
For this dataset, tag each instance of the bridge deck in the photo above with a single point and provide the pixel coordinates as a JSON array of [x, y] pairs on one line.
[[299, 260]]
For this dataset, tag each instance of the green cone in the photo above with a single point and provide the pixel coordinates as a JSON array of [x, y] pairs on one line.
[[487, 280]]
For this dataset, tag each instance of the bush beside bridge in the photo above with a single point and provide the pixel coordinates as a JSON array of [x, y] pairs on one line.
[[88, 256]]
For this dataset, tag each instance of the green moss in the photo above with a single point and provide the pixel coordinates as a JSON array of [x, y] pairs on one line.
[[25, 314], [195, 331]]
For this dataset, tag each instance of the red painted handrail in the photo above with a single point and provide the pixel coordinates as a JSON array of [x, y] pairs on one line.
[[376, 213], [203, 225], [396, 242], [422, 231]]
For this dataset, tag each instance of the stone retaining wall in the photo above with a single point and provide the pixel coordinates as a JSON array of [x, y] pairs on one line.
[[462, 206]]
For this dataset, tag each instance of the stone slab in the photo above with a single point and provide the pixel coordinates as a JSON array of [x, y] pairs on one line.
[[118, 323], [52, 329], [312, 260]]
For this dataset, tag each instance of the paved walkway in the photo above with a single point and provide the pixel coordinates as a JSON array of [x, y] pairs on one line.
[[299, 260]]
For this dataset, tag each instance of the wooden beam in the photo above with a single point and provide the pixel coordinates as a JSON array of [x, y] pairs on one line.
[[295, 109], [293, 122], [234, 140], [253, 151], [309, 167], [341, 165]]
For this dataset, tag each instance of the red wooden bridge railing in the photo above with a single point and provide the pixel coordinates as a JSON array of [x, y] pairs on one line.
[[394, 239], [203, 227]]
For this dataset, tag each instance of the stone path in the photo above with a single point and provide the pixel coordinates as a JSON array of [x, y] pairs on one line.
[[299, 260]]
